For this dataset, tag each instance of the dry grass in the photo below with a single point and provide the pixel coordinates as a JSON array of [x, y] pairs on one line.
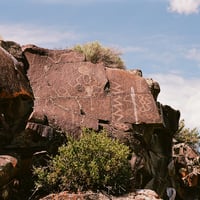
[[96, 53]]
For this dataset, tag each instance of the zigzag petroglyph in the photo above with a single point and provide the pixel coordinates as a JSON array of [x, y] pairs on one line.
[[117, 105]]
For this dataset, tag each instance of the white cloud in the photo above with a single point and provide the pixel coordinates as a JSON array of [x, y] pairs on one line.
[[181, 94], [193, 54], [184, 6], [43, 36]]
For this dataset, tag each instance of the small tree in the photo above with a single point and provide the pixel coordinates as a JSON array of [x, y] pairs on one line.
[[95, 162], [95, 53], [189, 136]]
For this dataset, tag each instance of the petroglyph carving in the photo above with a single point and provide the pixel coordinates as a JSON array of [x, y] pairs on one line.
[[117, 100], [75, 93]]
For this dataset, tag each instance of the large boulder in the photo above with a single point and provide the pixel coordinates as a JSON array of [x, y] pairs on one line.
[[16, 97], [8, 168], [73, 93], [143, 194], [158, 152], [184, 171], [16, 105]]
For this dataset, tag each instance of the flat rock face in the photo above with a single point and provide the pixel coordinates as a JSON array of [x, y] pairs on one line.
[[73, 93], [132, 101]]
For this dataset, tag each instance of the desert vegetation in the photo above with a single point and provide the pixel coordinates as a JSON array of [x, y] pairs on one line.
[[188, 136], [96, 53], [94, 162]]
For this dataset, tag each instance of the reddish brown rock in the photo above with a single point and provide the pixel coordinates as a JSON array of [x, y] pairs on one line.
[[70, 94], [8, 168], [16, 97], [184, 170], [138, 195], [73, 93]]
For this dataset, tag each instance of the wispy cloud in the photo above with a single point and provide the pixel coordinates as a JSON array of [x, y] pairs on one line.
[[184, 6], [133, 49], [194, 54], [45, 36], [182, 94]]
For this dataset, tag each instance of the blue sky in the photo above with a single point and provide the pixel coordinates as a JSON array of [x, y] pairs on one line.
[[161, 37]]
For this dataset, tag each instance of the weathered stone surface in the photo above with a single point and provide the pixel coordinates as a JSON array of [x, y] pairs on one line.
[[74, 93], [153, 152], [16, 97], [14, 81], [131, 99], [143, 194], [8, 168], [154, 87], [15, 50], [70, 94], [184, 171]]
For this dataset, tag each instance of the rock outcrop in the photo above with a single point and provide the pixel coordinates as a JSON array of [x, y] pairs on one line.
[[184, 171], [73, 94], [70, 94], [82, 94], [144, 194], [16, 97]]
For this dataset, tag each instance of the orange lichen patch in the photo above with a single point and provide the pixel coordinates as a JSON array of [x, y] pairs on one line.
[[22, 92], [4, 94]]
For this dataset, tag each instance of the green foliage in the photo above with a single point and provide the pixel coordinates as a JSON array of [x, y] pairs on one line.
[[95, 53], [94, 162], [189, 136]]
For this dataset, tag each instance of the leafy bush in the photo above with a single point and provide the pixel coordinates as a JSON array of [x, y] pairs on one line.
[[94, 162], [187, 135], [95, 53]]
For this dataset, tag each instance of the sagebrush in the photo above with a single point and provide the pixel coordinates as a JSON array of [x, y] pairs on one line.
[[94, 162], [96, 53], [188, 136]]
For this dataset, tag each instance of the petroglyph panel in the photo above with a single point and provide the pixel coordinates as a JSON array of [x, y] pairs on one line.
[[73, 93], [131, 98], [70, 93]]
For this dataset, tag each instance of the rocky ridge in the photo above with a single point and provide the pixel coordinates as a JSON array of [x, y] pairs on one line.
[[69, 93]]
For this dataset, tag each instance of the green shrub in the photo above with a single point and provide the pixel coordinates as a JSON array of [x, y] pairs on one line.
[[187, 135], [95, 53], [94, 162]]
